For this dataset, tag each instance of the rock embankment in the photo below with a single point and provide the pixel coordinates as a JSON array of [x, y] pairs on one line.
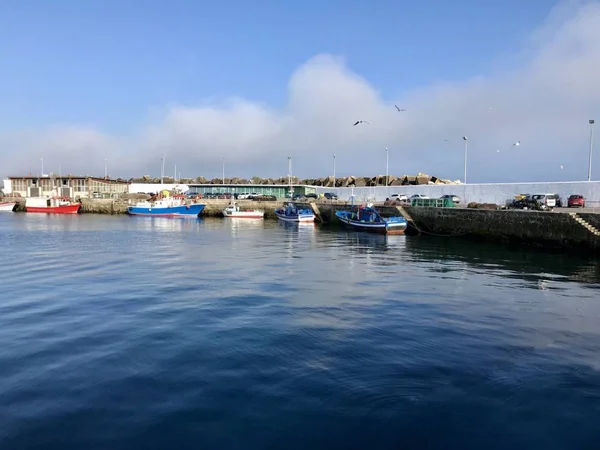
[[378, 180]]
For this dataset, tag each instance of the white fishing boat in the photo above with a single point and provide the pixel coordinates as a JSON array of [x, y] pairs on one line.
[[235, 211], [7, 206]]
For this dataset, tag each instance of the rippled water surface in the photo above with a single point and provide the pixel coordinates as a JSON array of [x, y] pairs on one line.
[[123, 333]]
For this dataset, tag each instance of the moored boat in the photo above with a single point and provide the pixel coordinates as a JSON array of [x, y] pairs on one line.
[[366, 218], [7, 206], [53, 205], [291, 213], [167, 207], [235, 211]]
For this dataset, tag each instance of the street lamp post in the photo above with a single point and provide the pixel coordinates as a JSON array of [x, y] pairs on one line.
[[105, 168], [223, 170], [591, 122], [466, 150], [42, 160], [334, 170], [387, 166], [162, 169]]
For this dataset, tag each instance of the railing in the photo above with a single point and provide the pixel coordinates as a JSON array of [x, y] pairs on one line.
[[433, 202]]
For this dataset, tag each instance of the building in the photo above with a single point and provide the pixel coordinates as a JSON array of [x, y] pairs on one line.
[[64, 186], [278, 190]]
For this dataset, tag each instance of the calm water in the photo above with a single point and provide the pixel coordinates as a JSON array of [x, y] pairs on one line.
[[126, 333]]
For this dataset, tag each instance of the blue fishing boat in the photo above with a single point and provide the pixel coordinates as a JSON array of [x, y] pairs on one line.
[[369, 220], [291, 213], [167, 207]]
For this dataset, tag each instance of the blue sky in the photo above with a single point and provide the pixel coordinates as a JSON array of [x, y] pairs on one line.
[[117, 66]]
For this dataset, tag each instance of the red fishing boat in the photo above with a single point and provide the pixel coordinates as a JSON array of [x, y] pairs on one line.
[[54, 205]]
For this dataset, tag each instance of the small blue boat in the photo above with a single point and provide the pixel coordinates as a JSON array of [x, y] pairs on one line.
[[169, 207], [291, 213], [369, 220]]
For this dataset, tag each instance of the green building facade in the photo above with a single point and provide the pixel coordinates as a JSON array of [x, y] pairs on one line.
[[278, 190]]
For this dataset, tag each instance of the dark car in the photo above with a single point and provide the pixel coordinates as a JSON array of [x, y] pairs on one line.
[[576, 201], [264, 198], [330, 196], [311, 196], [526, 203]]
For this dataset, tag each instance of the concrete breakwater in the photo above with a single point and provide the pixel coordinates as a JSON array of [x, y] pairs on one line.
[[560, 230], [575, 229], [213, 208], [566, 230]]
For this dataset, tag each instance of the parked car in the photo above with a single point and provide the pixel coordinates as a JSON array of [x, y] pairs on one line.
[[264, 198], [418, 197], [576, 201], [310, 196], [398, 197], [559, 203], [546, 200], [454, 198], [526, 203], [330, 196]]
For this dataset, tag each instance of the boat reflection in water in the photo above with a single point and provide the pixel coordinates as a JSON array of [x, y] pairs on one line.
[[159, 223], [373, 249]]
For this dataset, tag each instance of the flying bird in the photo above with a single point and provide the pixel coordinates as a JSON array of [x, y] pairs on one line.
[[400, 110], [561, 167], [516, 144], [360, 121]]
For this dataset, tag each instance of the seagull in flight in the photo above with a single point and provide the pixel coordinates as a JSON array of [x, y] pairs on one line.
[[360, 121], [399, 110], [516, 144]]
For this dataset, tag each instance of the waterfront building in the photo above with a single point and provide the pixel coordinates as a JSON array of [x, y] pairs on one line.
[[64, 186], [280, 191]]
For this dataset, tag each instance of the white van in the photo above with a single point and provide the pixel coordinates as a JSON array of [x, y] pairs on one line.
[[547, 200]]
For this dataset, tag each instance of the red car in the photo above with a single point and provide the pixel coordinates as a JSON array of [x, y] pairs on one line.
[[576, 201]]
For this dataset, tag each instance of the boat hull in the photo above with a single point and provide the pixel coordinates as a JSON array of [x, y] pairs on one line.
[[245, 215], [7, 206], [394, 227], [189, 211], [62, 209], [300, 218]]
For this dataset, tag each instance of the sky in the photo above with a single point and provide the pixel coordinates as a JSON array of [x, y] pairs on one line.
[[124, 83]]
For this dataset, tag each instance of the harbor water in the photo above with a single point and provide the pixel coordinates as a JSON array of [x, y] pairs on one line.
[[154, 333]]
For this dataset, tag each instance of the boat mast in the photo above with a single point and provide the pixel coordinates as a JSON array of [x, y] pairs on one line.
[[290, 176]]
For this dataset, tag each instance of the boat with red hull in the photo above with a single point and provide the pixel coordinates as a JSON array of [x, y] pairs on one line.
[[51, 206]]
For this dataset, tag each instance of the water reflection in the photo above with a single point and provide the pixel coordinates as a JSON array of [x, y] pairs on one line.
[[164, 224], [538, 269]]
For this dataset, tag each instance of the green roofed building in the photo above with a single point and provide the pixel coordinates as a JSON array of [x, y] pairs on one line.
[[278, 190]]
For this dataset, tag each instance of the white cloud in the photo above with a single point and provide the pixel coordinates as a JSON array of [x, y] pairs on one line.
[[545, 103]]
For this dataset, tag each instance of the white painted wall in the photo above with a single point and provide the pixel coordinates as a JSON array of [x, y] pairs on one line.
[[7, 189], [482, 193], [134, 188]]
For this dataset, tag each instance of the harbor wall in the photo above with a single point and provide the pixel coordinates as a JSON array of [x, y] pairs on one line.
[[213, 208], [532, 228], [497, 193]]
